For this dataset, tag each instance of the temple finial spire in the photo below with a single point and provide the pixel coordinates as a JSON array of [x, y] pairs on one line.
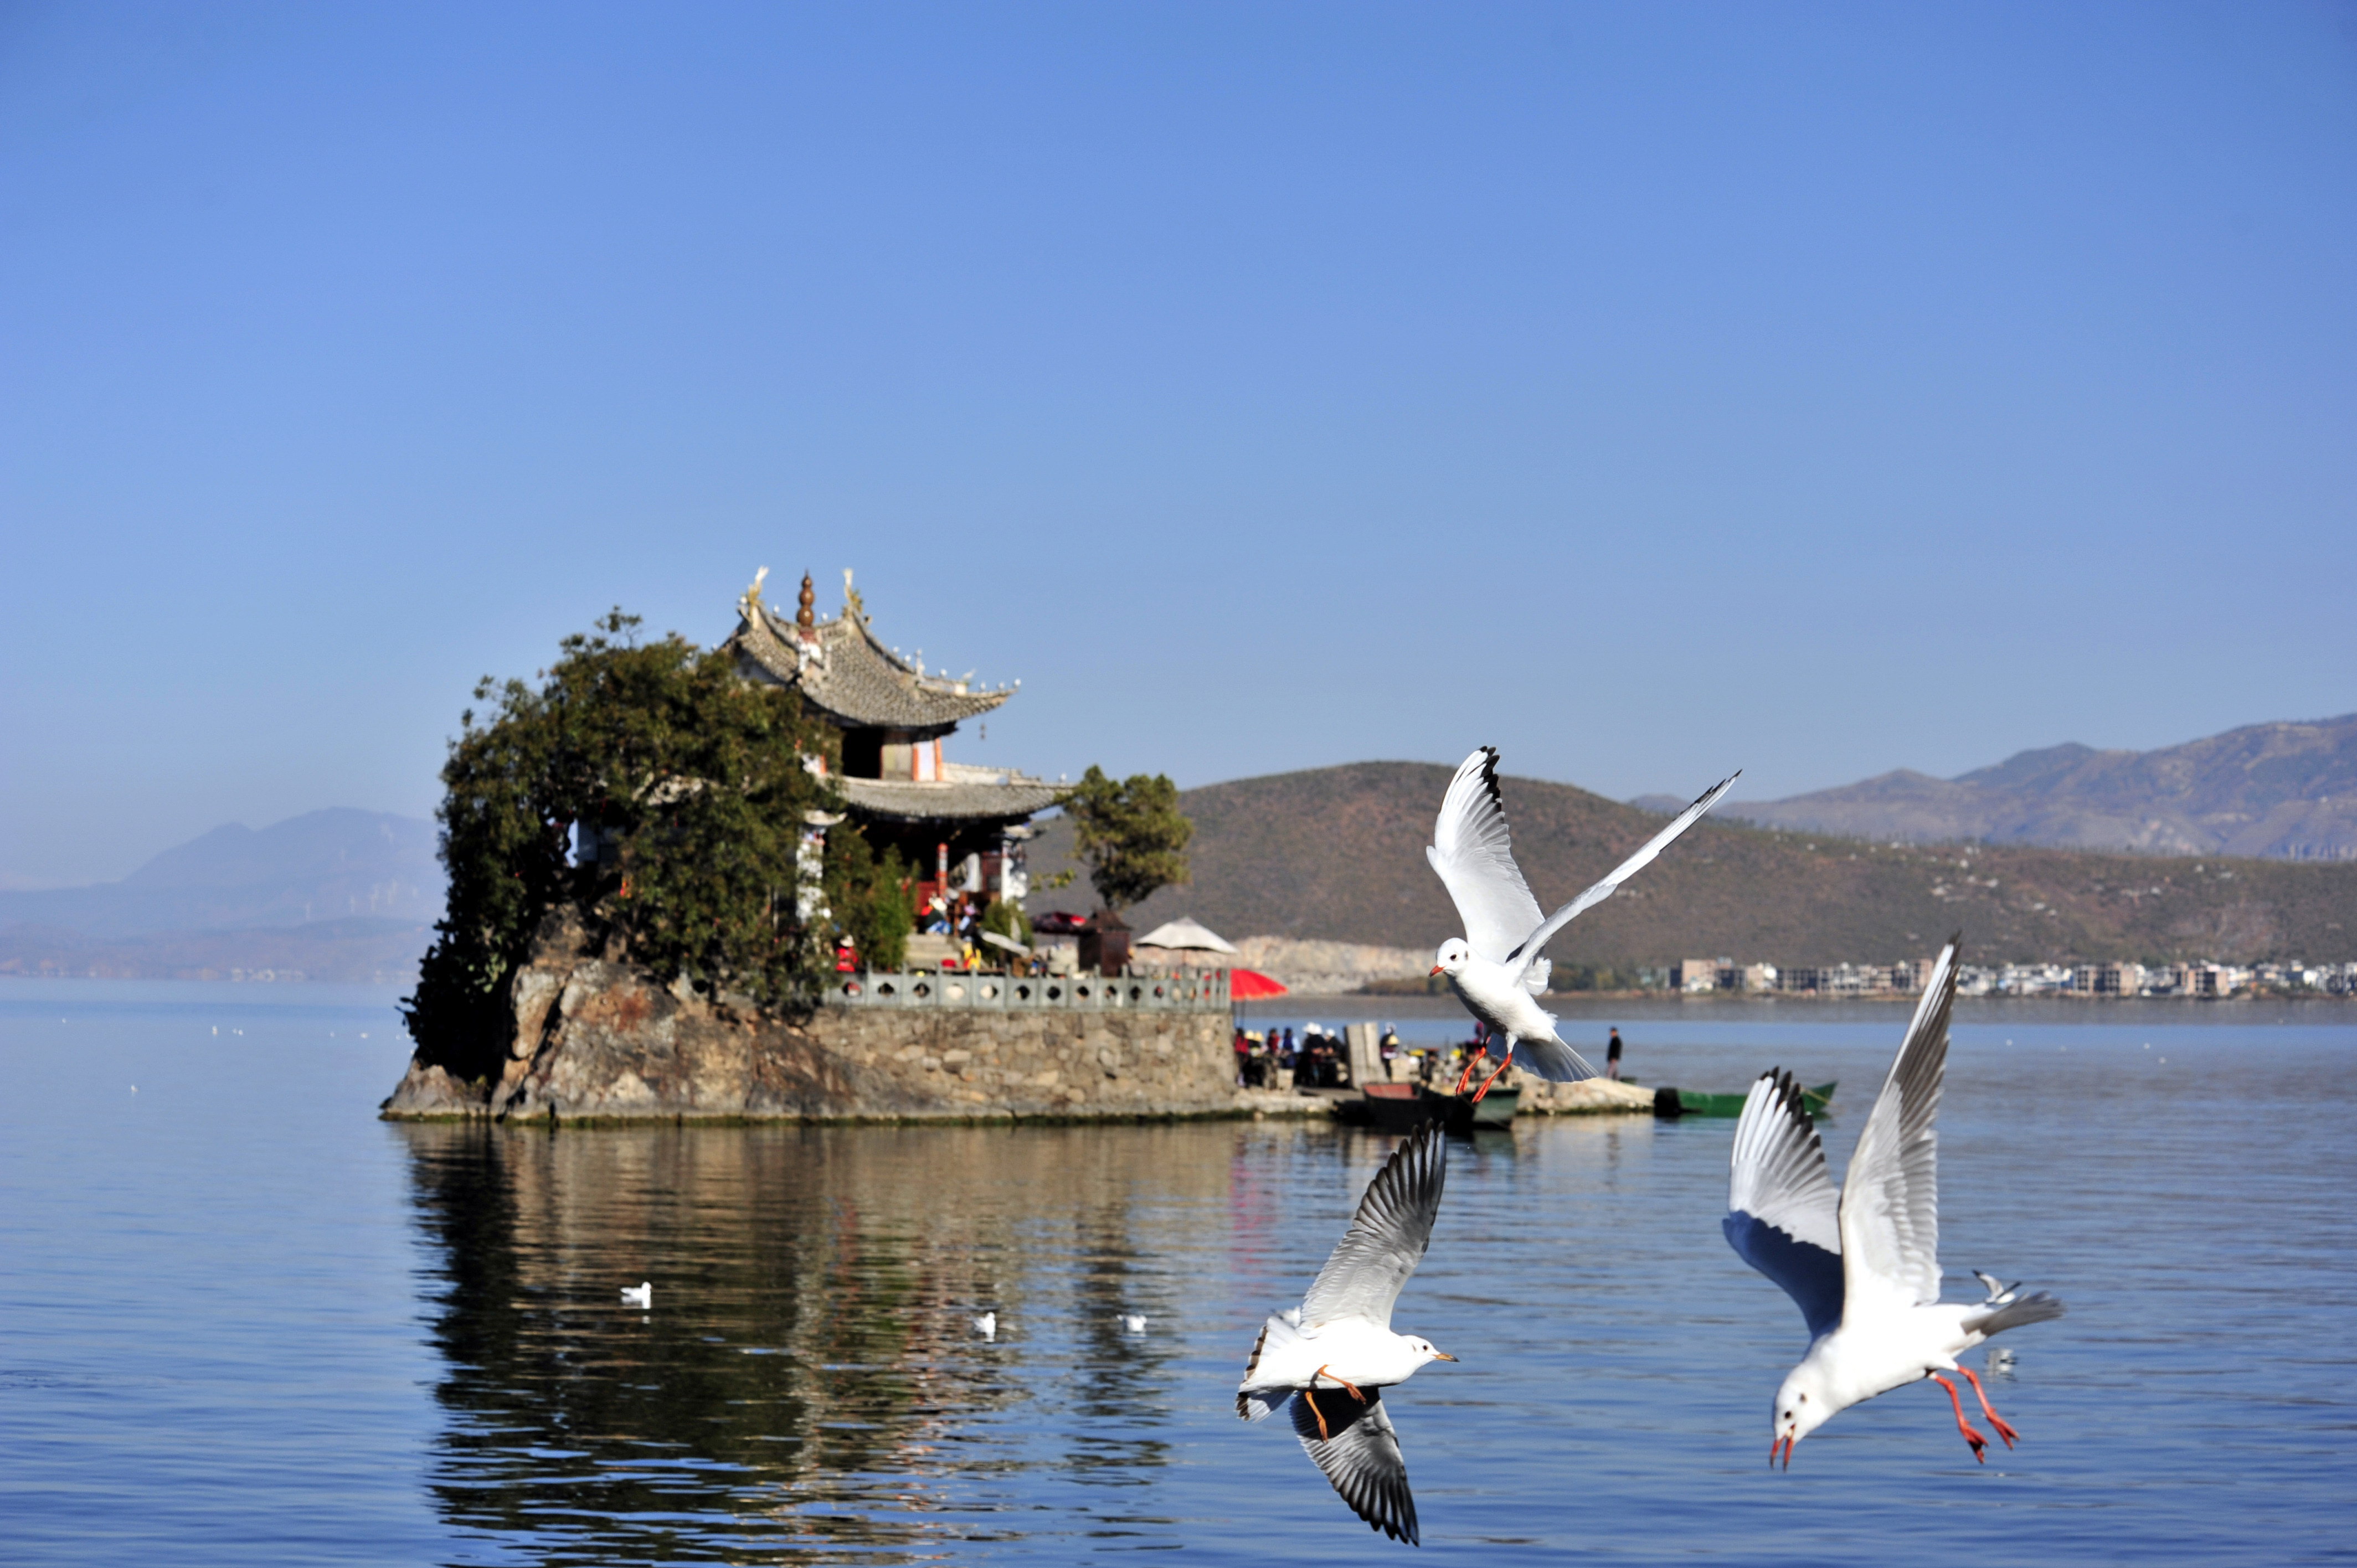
[[804, 617]]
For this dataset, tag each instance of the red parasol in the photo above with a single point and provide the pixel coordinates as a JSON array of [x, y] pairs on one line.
[[1250, 984]]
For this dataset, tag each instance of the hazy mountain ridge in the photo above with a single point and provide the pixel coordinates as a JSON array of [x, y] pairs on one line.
[[363, 952], [1337, 854], [2283, 790], [335, 864]]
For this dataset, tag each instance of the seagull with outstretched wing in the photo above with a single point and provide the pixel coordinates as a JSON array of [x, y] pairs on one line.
[[1999, 1293], [1499, 965], [1339, 1342], [1862, 1260]]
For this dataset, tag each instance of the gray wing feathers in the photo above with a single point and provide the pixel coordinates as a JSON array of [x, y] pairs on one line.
[[1473, 854], [1553, 1060], [1387, 1236], [1361, 1457], [1782, 1211], [2039, 1308], [1528, 947], [1890, 1197], [1776, 1170]]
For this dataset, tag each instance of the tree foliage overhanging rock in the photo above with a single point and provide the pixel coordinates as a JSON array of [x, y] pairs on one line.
[[1132, 834], [691, 782]]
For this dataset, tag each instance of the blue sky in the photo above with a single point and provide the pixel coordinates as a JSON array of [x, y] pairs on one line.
[[1647, 390]]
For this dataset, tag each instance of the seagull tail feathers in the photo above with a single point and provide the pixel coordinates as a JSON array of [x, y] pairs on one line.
[[2039, 1308], [1258, 1404]]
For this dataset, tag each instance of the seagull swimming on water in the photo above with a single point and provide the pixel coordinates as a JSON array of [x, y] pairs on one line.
[[1496, 967], [1339, 1341], [1863, 1263], [987, 1324], [641, 1295]]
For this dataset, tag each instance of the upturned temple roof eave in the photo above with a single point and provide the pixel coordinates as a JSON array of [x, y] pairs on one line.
[[905, 800], [851, 678]]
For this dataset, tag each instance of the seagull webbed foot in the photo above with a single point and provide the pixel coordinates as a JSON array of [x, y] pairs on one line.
[[1980, 1443], [2004, 1428]]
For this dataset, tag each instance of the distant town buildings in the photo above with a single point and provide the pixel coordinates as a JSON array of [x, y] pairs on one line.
[[1907, 977]]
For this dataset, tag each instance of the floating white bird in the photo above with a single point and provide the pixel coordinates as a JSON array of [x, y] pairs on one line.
[[1497, 967], [1998, 1294], [987, 1325], [1340, 1339], [641, 1295], [1130, 1322], [1863, 1263]]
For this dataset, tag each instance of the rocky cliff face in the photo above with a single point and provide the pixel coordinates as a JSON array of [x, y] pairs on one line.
[[599, 1039]]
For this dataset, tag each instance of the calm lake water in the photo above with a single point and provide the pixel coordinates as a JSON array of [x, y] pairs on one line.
[[244, 1321]]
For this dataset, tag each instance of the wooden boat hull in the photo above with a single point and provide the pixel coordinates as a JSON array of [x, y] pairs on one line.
[[1404, 1106]]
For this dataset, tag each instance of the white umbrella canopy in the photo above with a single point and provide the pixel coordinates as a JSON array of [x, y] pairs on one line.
[[1187, 934]]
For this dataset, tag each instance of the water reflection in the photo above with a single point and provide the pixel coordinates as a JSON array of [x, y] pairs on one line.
[[809, 1378]]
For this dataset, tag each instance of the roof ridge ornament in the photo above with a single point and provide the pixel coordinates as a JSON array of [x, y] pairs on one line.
[[804, 617], [852, 606]]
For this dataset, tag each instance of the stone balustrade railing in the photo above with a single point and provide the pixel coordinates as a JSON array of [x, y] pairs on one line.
[[1172, 991]]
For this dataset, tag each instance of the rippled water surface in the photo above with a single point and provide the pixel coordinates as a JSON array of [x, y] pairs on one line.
[[242, 1322]]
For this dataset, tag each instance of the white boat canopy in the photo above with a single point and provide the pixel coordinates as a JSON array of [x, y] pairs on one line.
[[1188, 935]]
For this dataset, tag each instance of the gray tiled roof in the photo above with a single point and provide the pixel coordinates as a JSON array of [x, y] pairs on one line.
[[962, 800], [853, 679]]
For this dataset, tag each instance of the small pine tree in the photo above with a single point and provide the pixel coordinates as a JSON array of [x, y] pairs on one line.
[[1009, 921], [1132, 834], [869, 898]]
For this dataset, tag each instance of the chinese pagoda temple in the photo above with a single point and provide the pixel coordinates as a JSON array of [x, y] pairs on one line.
[[965, 825]]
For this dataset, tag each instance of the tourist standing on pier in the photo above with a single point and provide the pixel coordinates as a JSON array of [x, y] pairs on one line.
[[1612, 1056]]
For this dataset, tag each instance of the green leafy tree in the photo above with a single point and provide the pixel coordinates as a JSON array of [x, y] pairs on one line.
[[692, 781], [869, 897], [1132, 834], [1009, 921]]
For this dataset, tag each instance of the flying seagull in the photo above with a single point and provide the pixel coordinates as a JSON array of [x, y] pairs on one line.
[[1497, 968], [1863, 1263], [1339, 1341], [1999, 1293]]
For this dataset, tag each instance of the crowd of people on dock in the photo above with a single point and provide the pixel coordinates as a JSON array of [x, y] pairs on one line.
[[1320, 1059]]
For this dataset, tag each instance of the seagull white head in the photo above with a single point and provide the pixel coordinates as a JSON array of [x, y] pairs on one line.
[[1801, 1406], [1424, 1350], [1452, 958]]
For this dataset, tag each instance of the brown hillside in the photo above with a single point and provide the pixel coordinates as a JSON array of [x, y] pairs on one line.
[[1336, 853]]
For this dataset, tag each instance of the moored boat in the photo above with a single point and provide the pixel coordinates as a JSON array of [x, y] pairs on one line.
[[1404, 1106], [1695, 1103]]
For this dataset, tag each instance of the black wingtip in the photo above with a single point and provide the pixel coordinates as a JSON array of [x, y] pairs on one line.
[[1791, 1100], [1490, 772]]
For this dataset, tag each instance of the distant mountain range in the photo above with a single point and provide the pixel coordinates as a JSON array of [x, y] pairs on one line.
[[2274, 791], [1337, 854], [332, 895]]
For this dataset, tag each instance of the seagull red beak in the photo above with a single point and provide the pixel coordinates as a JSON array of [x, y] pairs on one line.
[[1435, 969], [1444, 1356]]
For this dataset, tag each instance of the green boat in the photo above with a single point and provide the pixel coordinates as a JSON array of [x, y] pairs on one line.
[[1694, 1102]]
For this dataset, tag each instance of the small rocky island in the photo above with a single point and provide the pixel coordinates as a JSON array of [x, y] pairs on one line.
[[683, 884], [602, 1040]]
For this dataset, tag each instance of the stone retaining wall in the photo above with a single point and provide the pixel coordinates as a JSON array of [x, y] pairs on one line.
[[601, 1040]]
